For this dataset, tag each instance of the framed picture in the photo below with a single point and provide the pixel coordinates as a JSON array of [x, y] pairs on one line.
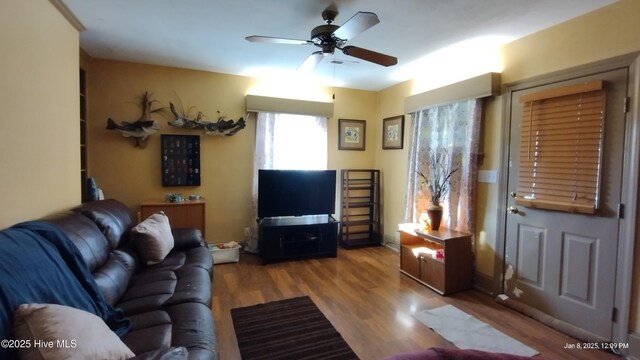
[[351, 134], [393, 132], [180, 160]]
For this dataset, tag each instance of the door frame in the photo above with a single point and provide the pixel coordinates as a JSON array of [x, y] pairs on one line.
[[630, 174]]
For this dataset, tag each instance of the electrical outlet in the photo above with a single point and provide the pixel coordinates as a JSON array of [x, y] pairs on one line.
[[488, 176]]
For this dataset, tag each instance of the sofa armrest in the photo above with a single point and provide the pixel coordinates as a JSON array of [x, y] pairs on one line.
[[187, 238], [172, 353]]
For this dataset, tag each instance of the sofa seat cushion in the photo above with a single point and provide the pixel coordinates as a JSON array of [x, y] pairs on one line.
[[183, 277], [195, 257], [193, 328], [149, 331], [185, 325], [114, 276]]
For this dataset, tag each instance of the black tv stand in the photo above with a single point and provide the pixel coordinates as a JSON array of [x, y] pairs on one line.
[[293, 238]]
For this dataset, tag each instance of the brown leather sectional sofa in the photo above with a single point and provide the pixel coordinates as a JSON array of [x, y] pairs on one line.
[[169, 303]]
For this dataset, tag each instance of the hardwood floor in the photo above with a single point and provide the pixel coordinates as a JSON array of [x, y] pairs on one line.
[[370, 303]]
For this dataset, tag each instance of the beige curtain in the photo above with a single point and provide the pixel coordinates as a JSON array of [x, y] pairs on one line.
[[455, 128]]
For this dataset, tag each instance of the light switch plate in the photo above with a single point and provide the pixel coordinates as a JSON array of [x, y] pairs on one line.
[[488, 176]]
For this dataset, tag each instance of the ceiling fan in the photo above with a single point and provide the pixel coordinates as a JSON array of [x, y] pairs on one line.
[[329, 37]]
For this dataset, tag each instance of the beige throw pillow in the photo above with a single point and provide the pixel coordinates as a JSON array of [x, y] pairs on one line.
[[152, 238], [62, 332]]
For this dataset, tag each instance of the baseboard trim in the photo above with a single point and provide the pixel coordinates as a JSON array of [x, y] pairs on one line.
[[633, 353], [484, 283]]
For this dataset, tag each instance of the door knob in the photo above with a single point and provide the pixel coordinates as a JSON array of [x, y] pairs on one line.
[[512, 209]]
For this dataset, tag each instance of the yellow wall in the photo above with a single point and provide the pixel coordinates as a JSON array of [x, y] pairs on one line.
[[605, 33], [132, 175], [39, 130]]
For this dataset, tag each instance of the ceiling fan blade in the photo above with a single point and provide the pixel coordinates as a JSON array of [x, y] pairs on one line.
[[368, 55], [275, 40], [311, 61], [358, 23]]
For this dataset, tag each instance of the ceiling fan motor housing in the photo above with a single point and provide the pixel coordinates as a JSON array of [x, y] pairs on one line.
[[322, 36]]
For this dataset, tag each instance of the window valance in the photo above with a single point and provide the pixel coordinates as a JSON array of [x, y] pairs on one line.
[[288, 106], [481, 86]]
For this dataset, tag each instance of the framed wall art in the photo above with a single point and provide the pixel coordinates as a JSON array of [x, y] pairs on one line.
[[393, 132], [351, 134], [180, 156]]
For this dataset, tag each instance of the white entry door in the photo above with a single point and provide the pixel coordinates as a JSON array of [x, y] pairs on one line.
[[562, 263]]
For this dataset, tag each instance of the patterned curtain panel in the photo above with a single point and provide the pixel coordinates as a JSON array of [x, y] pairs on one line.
[[454, 128]]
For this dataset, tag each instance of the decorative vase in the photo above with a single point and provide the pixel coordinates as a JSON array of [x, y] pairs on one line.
[[435, 216]]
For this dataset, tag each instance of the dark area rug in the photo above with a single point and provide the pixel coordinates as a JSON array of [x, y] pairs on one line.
[[288, 329]]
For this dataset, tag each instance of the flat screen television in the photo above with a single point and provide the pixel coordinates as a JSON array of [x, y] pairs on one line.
[[296, 192]]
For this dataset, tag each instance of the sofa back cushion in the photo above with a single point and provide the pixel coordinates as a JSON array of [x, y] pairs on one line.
[[85, 235], [97, 228], [112, 217]]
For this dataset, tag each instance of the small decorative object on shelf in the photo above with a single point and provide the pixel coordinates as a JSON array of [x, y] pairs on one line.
[[141, 129], [174, 198], [220, 127], [441, 168]]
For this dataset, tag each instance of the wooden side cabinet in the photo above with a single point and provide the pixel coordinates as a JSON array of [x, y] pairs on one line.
[[444, 275], [183, 214]]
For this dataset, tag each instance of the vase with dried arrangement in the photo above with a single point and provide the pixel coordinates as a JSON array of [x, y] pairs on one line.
[[438, 179]]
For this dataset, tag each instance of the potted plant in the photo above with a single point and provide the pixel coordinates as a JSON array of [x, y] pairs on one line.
[[438, 179]]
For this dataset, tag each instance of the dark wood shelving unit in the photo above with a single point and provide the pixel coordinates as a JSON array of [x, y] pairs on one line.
[[360, 208]]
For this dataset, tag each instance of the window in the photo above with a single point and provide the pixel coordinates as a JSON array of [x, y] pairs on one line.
[[561, 148], [293, 142], [299, 142]]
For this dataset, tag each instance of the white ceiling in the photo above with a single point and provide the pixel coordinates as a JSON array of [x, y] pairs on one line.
[[209, 34]]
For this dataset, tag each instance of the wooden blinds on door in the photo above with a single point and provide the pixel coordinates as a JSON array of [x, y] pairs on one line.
[[561, 148]]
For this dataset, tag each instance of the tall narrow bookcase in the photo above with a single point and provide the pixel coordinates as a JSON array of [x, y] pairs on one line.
[[360, 216]]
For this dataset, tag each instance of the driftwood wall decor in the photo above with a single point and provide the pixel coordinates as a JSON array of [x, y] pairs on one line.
[[145, 126], [221, 127], [139, 130]]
